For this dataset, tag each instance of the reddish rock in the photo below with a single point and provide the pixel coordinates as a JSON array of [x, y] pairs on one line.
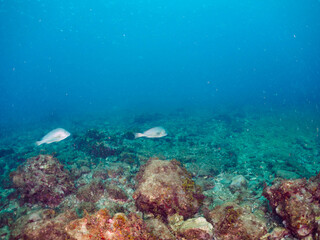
[[101, 226], [42, 224], [297, 203], [165, 188], [233, 222], [43, 180]]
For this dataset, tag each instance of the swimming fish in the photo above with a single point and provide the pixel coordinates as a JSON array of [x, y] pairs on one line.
[[156, 132], [55, 135]]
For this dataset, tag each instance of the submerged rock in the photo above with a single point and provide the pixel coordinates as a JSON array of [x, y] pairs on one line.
[[196, 228], [42, 224], [91, 192], [102, 226], [238, 183], [191, 229], [165, 188], [43, 180], [297, 203], [233, 222], [159, 229], [116, 193]]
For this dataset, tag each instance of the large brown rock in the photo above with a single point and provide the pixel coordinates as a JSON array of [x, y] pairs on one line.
[[297, 203], [165, 188], [43, 180]]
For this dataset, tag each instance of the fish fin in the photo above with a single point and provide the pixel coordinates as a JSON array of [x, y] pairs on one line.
[[138, 135], [38, 143]]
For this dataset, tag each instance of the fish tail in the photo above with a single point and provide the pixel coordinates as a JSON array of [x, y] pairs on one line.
[[38, 143], [138, 135]]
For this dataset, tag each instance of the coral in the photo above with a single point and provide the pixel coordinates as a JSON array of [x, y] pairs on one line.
[[42, 224], [232, 222], [43, 180], [91, 192], [100, 226], [165, 188], [297, 203]]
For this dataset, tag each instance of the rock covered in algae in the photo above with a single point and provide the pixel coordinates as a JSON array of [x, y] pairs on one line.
[[233, 222], [165, 188], [43, 180], [101, 225], [42, 224], [297, 203]]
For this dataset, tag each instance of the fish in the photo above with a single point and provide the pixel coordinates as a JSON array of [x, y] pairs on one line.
[[55, 135], [156, 132]]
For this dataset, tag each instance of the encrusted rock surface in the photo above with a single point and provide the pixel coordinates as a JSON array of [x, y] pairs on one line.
[[101, 226], [43, 180], [42, 224], [233, 222], [191, 229], [297, 203], [196, 228], [91, 192], [165, 188]]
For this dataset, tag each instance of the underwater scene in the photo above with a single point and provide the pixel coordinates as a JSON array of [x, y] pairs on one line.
[[159, 120]]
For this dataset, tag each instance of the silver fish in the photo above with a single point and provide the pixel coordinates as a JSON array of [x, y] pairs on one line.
[[156, 132], [55, 135]]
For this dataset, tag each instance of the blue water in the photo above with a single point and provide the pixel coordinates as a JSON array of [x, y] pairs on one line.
[[62, 58]]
